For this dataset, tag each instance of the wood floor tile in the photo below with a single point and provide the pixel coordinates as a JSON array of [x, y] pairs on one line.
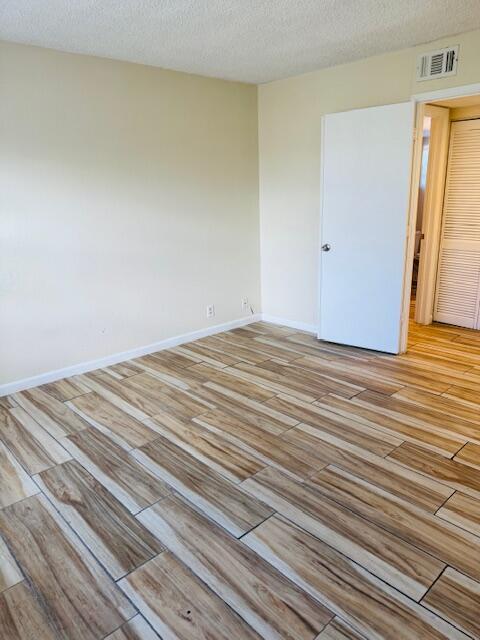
[[444, 541], [277, 382], [401, 374], [54, 416], [205, 354], [450, 350], [111, 390], [77, 596], [463, 511], [447, 445], [403, 482], [470, 397], [21, 617], [230, 380], [329, 348], [168, 373], [414, 374], [368, 604], [135, 629], [457, 599], [454, 351], [15, 484], [341, 371], [174, 357], [388, 557], [449, 472], [178, 605], [417, 353], [108, 371], [267, 328], [219, 454], [254, 412], [118, 541], [7, 402], [257, 419], [301, 348], [163, 398], [125, 369], [469, 455], [64, 389], [264, 348], [350, 430], [121, 427], [314, 380], [469, 380], [143, 396], [297, 489], [471, 338], [10, 574], [445, 405], [269, 603], [242, 353], [338, 630], [129, 481], [433, 419], [284, 455], [218, 498], [31, 445]]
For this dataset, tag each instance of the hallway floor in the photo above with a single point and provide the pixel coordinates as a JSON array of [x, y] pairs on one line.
[[253, 484]]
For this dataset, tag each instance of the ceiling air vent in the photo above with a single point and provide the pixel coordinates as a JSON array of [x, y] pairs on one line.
[[437, 64]]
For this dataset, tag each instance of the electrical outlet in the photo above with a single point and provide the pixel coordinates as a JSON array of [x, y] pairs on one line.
[[210, 311], [245, 304]]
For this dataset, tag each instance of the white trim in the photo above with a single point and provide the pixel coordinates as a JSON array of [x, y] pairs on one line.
[[432, 211], [292, 324], [445, 94], [415, 168], [115, 358], [320, 228]]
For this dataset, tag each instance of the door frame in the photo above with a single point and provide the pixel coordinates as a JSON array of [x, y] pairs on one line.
[[432, 211], [420, 99]]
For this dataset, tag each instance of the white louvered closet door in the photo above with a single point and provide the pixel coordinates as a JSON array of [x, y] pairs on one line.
[[457, 298]]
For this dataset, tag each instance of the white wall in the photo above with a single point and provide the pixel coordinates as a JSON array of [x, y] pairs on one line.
[[289, 141], [129, 201]]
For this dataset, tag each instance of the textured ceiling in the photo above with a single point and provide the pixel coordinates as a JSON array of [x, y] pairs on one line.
[[249, 40]]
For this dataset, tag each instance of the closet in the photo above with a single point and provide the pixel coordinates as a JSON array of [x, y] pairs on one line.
[[457, 296]]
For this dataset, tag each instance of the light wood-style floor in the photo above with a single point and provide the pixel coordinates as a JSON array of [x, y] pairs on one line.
[[255, 484]]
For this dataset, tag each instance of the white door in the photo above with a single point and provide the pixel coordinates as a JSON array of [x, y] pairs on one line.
[[365, 201], [457, 298]]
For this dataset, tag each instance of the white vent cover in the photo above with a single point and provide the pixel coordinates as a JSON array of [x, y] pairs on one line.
[[437, 64]]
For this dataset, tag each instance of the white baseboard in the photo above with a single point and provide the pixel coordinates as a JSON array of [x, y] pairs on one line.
[[292, 324], [83, 367]]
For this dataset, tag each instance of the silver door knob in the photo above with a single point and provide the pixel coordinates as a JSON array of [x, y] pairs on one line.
[[326, 247]]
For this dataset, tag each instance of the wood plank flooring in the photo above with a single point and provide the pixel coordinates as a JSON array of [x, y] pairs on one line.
[[253, 484]]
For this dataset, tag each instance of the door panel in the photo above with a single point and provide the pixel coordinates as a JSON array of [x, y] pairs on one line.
[[458, 281], [365, 198]]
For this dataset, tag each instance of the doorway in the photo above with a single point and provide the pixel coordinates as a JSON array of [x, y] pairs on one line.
[[369, 241], [446, 254]]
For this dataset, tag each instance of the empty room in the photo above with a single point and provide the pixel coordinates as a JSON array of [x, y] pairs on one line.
[[239, 320]]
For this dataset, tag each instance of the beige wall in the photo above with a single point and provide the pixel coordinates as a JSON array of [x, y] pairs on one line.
[[129, 201], [289, 140], [129, 196]]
